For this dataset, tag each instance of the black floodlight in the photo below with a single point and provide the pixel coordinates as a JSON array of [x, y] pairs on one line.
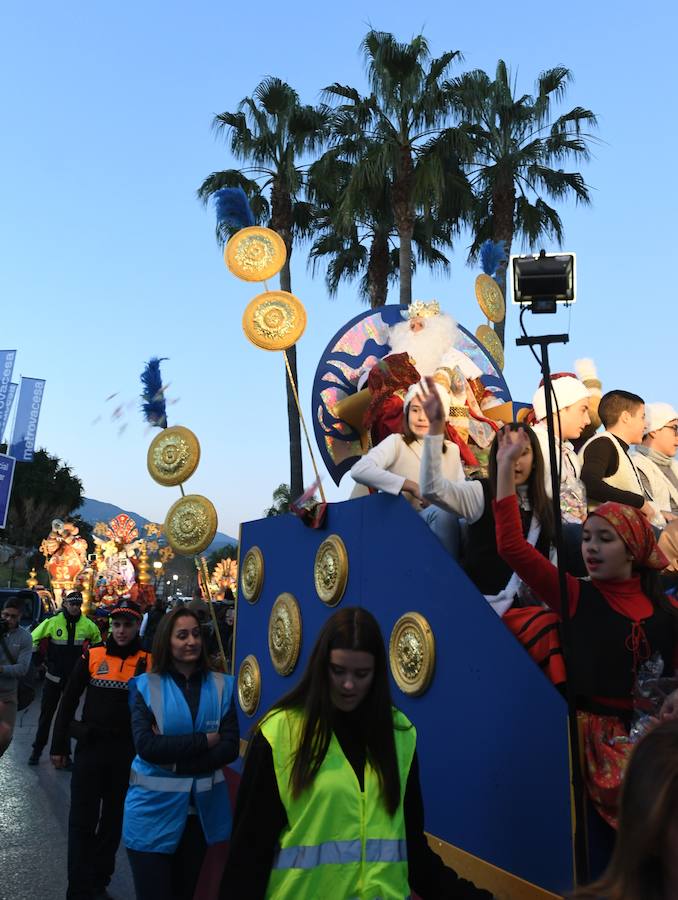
[[543, 281]]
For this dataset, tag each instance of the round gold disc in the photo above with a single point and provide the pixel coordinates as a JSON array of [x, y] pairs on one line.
[[191, 524], [274, 320], [284, 634], [255, 253], [249, 685], [412, 653], [252, 577], [488, 338], [173, 456], [330, 571], [490, 298]]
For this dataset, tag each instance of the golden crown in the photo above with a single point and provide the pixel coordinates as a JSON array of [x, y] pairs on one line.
[[422, 310]]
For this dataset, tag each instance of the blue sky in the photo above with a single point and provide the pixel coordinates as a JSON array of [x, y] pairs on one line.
[[108, 259]]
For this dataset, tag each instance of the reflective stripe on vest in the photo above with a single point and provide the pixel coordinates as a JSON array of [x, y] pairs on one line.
[[334, 852], [174, 785]]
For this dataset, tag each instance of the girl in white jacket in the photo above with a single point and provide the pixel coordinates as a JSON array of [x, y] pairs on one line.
[[393, 467]]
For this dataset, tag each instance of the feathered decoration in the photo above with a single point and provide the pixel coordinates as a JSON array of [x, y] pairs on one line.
[[491, 255], [587, 372], [153, 394], [233, 208]]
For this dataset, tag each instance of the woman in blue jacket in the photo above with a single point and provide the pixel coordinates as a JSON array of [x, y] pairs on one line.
[[185, 730]]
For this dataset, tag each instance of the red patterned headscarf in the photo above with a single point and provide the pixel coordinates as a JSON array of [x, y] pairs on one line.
[[636, 532]]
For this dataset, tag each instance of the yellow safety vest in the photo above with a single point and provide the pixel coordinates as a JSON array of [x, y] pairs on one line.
[[340, 843]]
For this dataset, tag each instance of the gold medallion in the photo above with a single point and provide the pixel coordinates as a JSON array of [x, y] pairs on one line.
[[412, 653], [330, 571], [173, 456], [252, 577], [490, 298], [274, 320], [249, 685], [191, 524], [255, 253], [284, 634], [488, 338]]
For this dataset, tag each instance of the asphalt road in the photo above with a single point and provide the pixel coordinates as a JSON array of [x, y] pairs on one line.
[[34, 803]]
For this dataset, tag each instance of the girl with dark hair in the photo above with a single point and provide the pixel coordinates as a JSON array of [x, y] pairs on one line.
[[330, 803], [644, 864], [185, 730], [472, 500], [393, 467], [620, 617]]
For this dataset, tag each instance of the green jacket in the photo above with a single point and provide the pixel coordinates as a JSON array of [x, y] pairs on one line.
[[67, 639], [340, 842]]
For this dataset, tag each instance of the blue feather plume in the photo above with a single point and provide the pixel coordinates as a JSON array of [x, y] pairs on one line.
[[153, 394], [233, 208], [491, 255]]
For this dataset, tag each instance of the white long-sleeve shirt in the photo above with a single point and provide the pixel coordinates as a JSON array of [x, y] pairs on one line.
[[388, 465], [465, 498]]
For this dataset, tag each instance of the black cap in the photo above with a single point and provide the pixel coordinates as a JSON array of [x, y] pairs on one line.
[[127, 608], [73, 597]]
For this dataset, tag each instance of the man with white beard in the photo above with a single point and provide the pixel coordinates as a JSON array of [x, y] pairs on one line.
[[423, 345]]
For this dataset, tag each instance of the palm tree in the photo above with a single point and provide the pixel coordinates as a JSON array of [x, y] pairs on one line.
[[273, 131], [516, 147], [396, 135], [365, 248]]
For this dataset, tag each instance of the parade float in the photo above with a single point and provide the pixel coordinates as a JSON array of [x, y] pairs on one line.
[[492, 730]]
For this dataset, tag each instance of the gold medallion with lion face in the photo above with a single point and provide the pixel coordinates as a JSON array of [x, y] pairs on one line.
[[249, 685], [412, 653], [274, 320], [330, 572], [255, 253], [284, 634], [173, 456], [191, 524]]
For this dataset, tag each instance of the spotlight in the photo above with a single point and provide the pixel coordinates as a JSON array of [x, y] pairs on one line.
[[541, 282]]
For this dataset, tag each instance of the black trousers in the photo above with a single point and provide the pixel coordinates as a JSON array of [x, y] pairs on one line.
[[170, 876], [51, 694], [98, 788]]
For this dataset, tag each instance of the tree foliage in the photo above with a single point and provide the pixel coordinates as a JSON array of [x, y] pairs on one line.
[[43, 490], [518, 149]]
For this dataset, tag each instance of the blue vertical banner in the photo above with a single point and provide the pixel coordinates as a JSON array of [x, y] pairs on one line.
[[7, 466], [4, 412], [7, 358], [26, 421]]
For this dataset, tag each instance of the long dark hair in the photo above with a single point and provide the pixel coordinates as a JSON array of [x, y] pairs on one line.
[[351, 628], [648, 813], [536, 483], [162, 642]]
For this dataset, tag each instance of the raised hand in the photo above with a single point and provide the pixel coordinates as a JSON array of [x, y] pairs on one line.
[[432, 404], [510, 445]]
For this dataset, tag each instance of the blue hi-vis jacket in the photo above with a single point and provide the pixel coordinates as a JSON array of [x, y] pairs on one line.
[[158, 799]]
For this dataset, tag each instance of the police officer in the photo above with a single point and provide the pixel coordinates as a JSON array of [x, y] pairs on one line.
[[67, 633], [104, 751]]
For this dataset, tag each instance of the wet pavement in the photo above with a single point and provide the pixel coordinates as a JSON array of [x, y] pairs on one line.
[[34, 803]]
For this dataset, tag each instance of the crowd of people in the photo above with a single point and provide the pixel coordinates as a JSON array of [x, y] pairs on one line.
[[618, 508], [330, 803]]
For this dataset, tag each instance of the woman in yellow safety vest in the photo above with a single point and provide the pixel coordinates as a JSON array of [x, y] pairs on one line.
[[330, 803]]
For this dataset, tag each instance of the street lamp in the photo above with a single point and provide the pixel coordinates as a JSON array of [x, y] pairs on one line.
[[157, 565], [175, 579]]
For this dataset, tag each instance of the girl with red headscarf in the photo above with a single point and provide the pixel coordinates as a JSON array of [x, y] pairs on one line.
[[620, 617]]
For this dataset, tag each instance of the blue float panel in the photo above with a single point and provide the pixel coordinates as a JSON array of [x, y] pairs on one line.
[[492, 731]]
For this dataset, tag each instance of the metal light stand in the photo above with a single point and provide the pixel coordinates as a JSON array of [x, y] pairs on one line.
[[581, 863]]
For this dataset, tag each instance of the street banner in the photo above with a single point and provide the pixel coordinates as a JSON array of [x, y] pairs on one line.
[[26, 421], [7, 465], [7, 358], [4, 413]]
